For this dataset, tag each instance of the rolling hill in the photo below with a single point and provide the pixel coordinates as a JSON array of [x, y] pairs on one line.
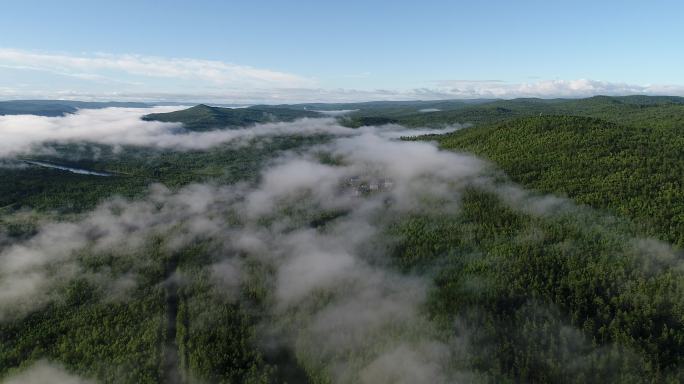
[[632, 170], [205, 118], [667, 111]]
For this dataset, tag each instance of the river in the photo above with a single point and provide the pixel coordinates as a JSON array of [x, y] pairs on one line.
[[69, 169]]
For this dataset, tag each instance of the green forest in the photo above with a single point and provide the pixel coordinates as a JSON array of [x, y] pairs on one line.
[[633, 170], [553, 256]]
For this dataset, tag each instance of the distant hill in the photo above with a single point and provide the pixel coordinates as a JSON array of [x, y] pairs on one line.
[[406, 105], [635, 171], [443, 112], [385, 112], [634, 109], [52, 108], [630, 110], [205, 118]]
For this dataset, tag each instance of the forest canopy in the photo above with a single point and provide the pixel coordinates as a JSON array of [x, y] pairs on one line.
[[508, 241]]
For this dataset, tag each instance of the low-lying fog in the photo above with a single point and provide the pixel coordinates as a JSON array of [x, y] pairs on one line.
[[372, 310]]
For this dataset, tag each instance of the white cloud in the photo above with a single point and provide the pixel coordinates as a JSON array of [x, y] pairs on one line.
[[25, 134], [44, 372], [123, 126], [93, 65], [105, 76], [551, 88]]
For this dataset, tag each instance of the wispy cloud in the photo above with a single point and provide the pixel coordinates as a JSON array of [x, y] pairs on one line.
[[123, 126], [550, 88], [104, 76], [210, 71]]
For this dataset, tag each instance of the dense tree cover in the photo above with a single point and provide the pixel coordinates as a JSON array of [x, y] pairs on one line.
[[516, 283], [130, 337], [175, 323], [362, 121], [633, 171], [205, 118], [134, 169], [215, 329], [359, 114], [112, 338], [640, 111], [565, 297], [384, 107]]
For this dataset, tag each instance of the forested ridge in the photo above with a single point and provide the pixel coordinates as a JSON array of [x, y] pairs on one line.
[[204, 118], [644, 111], [631, 170]]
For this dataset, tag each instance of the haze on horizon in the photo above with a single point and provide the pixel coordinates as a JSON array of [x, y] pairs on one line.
[[277, 52]]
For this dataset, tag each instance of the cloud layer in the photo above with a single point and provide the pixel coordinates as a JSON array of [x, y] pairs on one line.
[[371, 311], [102, 76], [123, 126], [20, 134], [97, 65]]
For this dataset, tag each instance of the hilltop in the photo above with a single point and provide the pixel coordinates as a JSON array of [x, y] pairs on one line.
[[205, 118]]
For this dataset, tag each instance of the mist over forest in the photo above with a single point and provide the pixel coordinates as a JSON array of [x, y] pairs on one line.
[[370, 244], [327, 192]]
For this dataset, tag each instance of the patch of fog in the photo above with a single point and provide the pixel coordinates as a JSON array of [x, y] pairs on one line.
[[237, 106], [12, 164], [43, 372], [335, 113], [22, 134], [426, 110], [372, 312], [123, 126], [395, 131], [335, 301]]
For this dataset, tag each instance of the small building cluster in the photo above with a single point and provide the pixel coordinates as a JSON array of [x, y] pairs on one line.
[[360, 186]]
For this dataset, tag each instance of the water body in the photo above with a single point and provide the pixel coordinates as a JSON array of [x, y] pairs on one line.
[[68, 169]]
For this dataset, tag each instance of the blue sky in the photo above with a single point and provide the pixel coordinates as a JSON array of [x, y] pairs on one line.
[[348, 50]]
